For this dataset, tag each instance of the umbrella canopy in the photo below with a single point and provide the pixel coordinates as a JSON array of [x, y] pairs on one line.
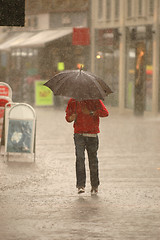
[[78, 84]]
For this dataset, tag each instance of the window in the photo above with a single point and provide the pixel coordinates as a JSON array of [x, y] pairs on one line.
[[28, 22], [140, 8], [151, 7], [35, 22], [100, 7], [129, 8], [66, 19], [108, 9], [116, 9]]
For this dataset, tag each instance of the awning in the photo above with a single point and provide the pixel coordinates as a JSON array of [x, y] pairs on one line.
[[3, 36], [15, 40], [42, 38], [34, 39]]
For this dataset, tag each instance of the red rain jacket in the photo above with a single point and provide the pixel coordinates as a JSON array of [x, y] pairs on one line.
[[86, 123]]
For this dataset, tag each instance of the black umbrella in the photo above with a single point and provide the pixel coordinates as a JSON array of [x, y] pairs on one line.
[[78, 84]]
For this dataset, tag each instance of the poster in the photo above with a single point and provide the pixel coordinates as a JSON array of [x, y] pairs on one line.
[[43, 95], [20, 136]]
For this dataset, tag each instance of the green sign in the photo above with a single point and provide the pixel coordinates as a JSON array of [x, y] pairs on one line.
[[60, 66], [43, 95]]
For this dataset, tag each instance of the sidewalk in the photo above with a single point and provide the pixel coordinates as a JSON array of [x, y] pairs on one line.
[[40, 202]]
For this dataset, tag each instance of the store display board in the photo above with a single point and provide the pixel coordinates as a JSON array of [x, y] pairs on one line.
[[20, 129]]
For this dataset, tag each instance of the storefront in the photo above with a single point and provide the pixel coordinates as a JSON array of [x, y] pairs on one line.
[[107, 60], [137, 52], [39, 55], [138, 58], [139, 69]]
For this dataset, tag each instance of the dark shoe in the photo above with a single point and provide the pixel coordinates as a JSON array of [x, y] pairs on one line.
[[81, 190], [94, 190]]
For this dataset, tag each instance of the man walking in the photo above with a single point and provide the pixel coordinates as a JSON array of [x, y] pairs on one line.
[[85, 115]]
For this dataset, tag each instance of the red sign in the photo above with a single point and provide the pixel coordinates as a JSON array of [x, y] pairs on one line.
[[81, 36], [1, 113], [4, 91]]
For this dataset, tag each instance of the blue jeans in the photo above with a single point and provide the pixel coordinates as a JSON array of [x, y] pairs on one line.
[[90, 144]]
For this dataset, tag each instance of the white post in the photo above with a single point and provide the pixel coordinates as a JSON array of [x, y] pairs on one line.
[[122, 59], [92, 35], [156, 48]]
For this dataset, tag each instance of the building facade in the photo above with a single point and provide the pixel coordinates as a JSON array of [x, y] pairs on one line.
[[43, 46], [125, 51]]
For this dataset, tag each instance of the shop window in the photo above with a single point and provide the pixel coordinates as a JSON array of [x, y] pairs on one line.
[[32, 22], [35, 22], [108, 9], [66, 19], [28, 22], [100, 7]]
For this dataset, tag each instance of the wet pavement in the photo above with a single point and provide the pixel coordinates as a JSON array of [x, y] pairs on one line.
[[39, 201]]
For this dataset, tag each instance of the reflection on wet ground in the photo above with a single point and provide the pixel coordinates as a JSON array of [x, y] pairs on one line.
[[39, 200]]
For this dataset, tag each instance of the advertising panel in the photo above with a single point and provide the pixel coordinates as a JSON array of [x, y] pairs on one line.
[[20, 137], [43, 95], [4, 91]]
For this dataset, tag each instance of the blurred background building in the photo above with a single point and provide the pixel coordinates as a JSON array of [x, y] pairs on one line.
[[45, 45], [125, 51], [116, 39]]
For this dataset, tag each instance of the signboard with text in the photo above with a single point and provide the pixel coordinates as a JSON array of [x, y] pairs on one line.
[[19, 129], [4, 91]]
